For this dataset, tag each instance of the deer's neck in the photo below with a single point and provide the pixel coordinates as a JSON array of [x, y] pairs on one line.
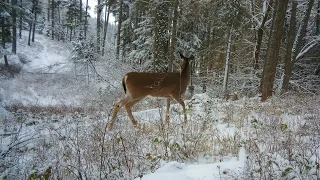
[[185, 73]]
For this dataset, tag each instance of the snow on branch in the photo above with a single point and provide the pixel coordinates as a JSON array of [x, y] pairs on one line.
[[307, 48]]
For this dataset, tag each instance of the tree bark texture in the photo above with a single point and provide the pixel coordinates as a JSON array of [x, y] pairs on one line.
[[318, 19], [35, 20], [20, 20], [297, 46], [85, 21], [260, 35], [226, 70], [119, 30], [14, 26], [52, 19], [31, 23], [291, 35], [106, 22], [172, 48], [80, 20], [273, 49], [160, 34]]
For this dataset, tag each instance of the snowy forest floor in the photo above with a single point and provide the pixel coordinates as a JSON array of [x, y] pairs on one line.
[[53, 125]]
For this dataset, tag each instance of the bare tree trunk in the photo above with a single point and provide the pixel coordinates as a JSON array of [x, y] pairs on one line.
[[71, 30], [48, 13], [296, 46], [252, 9], [160, 32], [119, 30], [260, 36], [30, 32], [52, 19], [4, 41], [226, 70], [273, 15], [35, 21], [74, 26], [273, 49], [99, 9], [20, 20], [85, 21], [173, 35], [172, 49], [106, 22], [291, 34], [31, 24], [58, 35], [59, 14], [6, 63], [318, 19], [3, 35], [14, 26], [80, 20]]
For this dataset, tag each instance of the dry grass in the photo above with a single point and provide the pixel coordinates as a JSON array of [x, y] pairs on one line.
[[76, 143]]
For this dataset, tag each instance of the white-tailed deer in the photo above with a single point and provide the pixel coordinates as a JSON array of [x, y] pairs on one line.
[[139, 85]]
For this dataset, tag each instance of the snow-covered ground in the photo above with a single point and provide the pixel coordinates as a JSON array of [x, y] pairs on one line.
[[45, 55], [222, 140], [181, 171]]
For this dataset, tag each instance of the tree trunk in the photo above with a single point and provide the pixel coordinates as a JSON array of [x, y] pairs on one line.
[[318, 19], [160, 33], [273, 49], [291, 34], [254, 32], [173, 35], [260, 36], [4, 41], [3, 35], [226, 70], [80, 20], [119, 30], [106, 22], [297, 45], [52, 19], [302, 31], [85, 21], [70, 33], [35, 21], [30, 32], [31, 23], [48, 13], [58, 35], [172, 49], [20, 20], [59, 14], [14, 26], [98, 26], [6, 63]]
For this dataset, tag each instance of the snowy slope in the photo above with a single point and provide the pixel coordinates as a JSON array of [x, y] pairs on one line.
[[44, 54]]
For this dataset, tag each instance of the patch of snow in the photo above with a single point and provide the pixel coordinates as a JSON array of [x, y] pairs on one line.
[[4, 113], [181, 171]]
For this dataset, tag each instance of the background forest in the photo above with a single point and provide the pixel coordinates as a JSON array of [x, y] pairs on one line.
[[246, 46], [61, 67]]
